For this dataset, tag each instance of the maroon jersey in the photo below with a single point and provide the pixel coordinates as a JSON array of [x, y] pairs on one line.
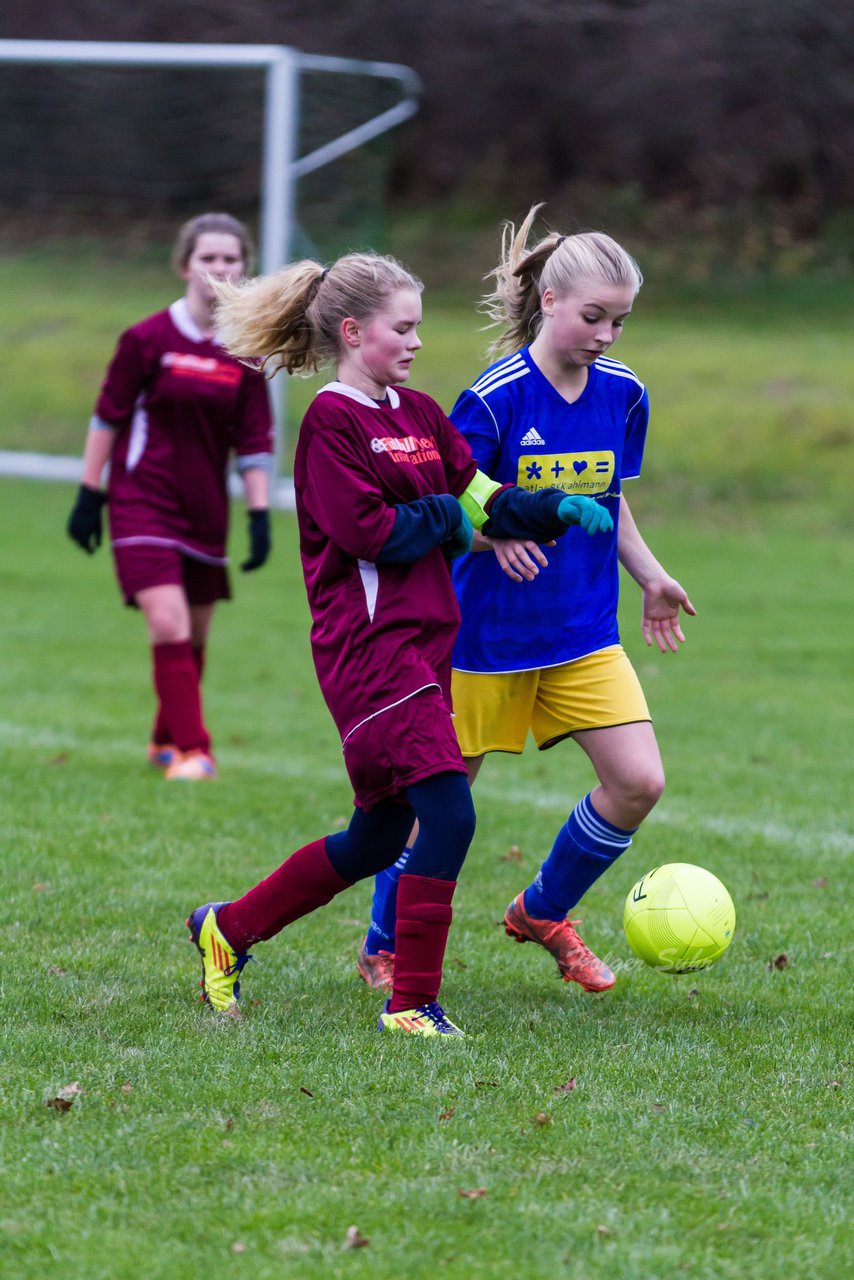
[[180, 405], [380, 632]]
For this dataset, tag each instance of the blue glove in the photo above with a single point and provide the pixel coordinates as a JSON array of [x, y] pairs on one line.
[[584, 511], [460, 540]]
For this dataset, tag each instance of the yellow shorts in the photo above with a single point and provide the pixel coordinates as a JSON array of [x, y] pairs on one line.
[[495, 712]]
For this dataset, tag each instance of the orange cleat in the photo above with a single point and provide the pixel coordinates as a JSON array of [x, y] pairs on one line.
[[191, 766], [377, 970], [576, 962], [162, 754]]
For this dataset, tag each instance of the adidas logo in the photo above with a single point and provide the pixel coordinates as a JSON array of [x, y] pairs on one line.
[[532, 437]]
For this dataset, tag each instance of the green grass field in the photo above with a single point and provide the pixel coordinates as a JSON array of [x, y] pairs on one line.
[[751, 382], [705, 1133]]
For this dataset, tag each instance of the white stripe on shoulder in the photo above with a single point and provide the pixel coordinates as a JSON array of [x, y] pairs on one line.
[[499, 374], [606, 365]]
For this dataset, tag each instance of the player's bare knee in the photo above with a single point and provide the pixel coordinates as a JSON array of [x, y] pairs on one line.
[[637, 795], [648, 789]]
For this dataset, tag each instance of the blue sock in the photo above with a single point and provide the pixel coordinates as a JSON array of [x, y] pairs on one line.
[[585, 847], [384, 907]]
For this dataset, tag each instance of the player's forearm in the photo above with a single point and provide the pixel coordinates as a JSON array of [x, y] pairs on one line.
[[634, 555], [419, 526], [506, 511], [96, 454], [256, 488]]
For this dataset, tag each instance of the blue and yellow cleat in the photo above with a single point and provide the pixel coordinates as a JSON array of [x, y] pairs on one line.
[[221, 964], [426, 1020]]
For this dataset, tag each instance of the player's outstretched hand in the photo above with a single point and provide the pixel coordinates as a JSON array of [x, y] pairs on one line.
[[576, 509], [460, 540], [260, 540], [520, 558], [662, 600], [85, 524]]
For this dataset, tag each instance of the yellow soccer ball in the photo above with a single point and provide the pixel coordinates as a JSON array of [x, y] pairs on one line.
[[679, 918]]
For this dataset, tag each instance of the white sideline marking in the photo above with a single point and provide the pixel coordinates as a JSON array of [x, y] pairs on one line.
[[807, 838], [49, 466], [48, 739]]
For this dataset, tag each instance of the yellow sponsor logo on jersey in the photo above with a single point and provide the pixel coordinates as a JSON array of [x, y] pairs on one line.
[[589, 473]]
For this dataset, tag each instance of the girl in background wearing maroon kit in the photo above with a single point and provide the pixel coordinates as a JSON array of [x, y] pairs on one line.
[[386, 490], [173, 407]]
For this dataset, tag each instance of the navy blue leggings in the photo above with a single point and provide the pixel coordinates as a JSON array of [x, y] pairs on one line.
[[374, 840]]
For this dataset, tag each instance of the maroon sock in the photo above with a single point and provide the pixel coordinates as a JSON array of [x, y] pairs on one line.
[[305, 882], [423, 921], [176, 682], [160, 733]]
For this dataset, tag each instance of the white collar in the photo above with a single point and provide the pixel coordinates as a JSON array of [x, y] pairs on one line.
[[179, 314], [359, 396]]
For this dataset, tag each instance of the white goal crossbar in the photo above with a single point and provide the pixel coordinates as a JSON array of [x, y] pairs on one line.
[[281, 166]]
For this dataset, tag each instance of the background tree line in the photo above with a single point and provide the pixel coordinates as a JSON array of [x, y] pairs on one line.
[[696, 104]]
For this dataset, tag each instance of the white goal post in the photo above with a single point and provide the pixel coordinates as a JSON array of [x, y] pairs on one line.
[[281, 167]]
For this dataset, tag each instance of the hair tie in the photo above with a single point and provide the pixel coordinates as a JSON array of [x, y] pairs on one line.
[[559, 241], [324, 273]]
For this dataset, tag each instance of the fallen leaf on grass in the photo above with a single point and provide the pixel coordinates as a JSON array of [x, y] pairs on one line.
[[658, 1106], [238, 1247], [779, 962], [57, 971], [127, 1087], [41, 886], [693, 993], [543, 1119], [64, 1098], [447, 1114], [62, 758], [567, 1087], [602, 1230], [354, 1239], [833, 1084], [513, 854], [229, 1124], [476, 1193], [820, 882], [307, 1092], [486, 1084]]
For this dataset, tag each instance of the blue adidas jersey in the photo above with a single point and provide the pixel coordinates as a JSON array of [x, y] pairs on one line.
[[522, 431]]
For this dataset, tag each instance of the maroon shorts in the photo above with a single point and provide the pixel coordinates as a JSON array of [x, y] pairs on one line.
[[405, 744], [148, 565]]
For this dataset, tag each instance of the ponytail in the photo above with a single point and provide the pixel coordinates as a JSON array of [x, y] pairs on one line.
[[556, 262]]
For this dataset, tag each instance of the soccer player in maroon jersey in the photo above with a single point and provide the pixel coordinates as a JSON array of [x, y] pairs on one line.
[[387, 491], [173, 407]]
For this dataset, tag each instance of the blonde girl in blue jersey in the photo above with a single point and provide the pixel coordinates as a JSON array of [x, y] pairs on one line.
[[557, 410]]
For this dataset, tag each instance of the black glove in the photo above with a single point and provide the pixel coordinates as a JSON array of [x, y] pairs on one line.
[[84, 523], [259, 540]]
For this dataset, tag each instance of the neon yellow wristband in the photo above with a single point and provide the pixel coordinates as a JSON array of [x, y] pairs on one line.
[[476, 496]]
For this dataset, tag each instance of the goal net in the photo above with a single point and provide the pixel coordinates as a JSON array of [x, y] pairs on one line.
[[111, 152]]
